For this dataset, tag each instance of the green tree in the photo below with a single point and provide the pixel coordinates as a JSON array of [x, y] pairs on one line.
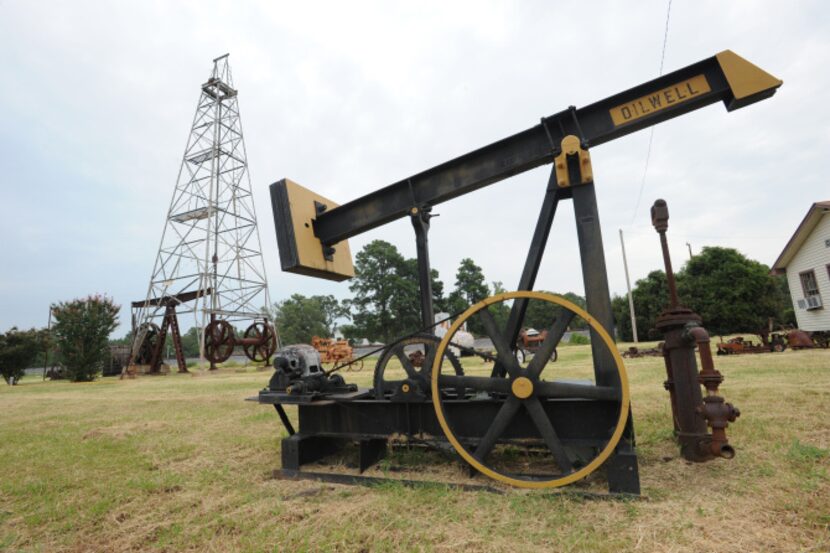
[[387, 297], [190, 343], [385, 289], [622, 319], [333, 311], [470, 283], [18, 350], [731, 292], [81, 331], [786, 316], [540, 314], [409, 271], [439, 302], [405, 303], [651, 296], [470, 288], [299, 318], [501, 310]]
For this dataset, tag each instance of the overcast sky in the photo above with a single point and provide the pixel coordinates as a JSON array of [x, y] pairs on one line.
[[346, 97]]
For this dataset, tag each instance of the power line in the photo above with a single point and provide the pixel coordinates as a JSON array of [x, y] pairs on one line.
[[651, 131]]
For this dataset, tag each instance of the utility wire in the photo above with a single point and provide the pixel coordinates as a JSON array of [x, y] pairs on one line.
[[651, 131]]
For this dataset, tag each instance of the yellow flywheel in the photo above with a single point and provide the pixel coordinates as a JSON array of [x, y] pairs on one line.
[[524, 388]]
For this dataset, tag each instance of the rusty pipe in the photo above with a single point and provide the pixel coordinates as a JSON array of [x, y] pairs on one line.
[[709, 377], [714, 409], [250, 341], [718, 414], [660, 220]]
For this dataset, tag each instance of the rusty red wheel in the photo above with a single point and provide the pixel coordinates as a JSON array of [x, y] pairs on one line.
[[148, 335], [220, 340], [264, 333]]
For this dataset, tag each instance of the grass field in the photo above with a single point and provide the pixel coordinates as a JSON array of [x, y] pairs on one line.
[[181, 463]]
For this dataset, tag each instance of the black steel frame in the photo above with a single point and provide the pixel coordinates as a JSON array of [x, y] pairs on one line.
[[523, 151], [325, 423]]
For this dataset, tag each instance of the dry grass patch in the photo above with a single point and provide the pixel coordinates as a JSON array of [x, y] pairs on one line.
[[183, 464]]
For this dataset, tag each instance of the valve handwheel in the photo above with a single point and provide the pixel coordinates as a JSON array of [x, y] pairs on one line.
[[220, 341], [524, 387]]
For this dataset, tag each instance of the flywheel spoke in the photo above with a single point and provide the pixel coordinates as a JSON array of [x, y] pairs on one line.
[[579, 391], [543, 424], [497, 428], [555, 333], [503, 349], [410, 369], [477, 383]]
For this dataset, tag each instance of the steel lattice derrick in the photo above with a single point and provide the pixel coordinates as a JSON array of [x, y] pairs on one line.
[[209, 261]]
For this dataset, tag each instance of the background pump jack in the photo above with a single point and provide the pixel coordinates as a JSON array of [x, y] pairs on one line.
[[515, 404], [151, 338]]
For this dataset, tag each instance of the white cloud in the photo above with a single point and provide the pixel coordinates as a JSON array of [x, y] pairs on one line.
[[348, 97]]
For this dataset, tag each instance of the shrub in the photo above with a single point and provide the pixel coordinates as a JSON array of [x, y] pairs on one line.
[[18, 350], [81, 331], [578, 339]]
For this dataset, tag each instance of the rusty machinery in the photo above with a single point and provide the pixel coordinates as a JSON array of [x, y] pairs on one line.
[[775, 342], [259, 342], [337, 352], [150, 338], [571, 426], [634, 352], [529, 342], [803, 339], [740, 345], [684, 332]]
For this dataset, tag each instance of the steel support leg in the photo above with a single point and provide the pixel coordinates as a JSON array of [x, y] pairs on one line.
[[623, 474], [420, 222], [284, 418], [595, 278], [175, 334], [622, 471], [532, 263], [298, 449], [370, 452]]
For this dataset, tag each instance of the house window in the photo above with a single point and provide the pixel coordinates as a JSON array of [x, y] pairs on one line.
[[808, 283]]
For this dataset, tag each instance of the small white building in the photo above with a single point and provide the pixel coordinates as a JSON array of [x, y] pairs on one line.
[[806, 262]]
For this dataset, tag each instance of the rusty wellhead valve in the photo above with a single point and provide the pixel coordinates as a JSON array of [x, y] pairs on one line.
[[683, 331]]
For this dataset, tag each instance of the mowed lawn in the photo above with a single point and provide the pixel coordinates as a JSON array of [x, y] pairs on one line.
[[182, 463]]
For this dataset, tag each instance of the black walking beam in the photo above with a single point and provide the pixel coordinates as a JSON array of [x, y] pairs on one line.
[[725, 77]]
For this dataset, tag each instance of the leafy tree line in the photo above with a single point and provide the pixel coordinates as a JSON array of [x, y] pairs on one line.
[[386, 300], [80, 334], [731, 292], [299, 318]]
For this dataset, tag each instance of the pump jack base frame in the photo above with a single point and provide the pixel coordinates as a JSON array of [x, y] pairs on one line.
[[370, 481], [326, 425]]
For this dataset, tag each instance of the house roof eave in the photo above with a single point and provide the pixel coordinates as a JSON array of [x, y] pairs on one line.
[[811, 219]]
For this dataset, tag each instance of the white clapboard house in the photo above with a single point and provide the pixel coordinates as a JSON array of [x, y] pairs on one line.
[[806, 262]]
